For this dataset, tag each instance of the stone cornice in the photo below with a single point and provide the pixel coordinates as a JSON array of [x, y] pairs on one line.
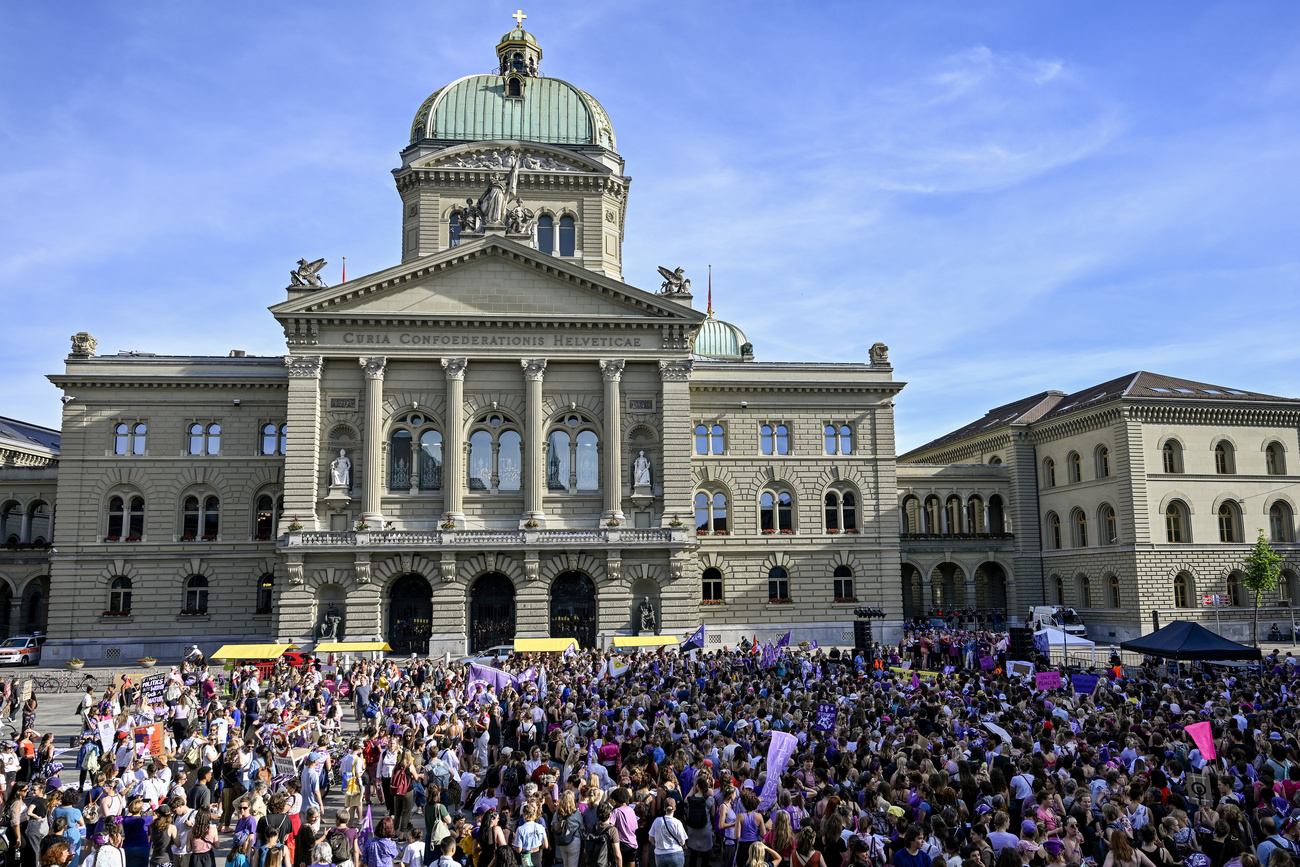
[[961, 452], [1076, 423], [798, 386], [1255, 414], [168, 380]]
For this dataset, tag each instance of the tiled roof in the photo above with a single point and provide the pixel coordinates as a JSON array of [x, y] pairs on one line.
[[20, 434], [1052, 404]]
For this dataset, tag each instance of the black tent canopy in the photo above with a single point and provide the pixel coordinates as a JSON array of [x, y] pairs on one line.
[[1183, 639]]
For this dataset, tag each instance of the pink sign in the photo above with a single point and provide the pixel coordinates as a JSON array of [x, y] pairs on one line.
[[1047, 680], [1204, 738]]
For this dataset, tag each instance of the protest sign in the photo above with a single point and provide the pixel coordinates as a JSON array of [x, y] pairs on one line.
[[987, 663], [1198, 789], [153, 688], [826, 714], [1047, 680], [106, 731], [1084, 684], [778, 756], [1016, 668], [284, 765], [27, 689], [148, 739]]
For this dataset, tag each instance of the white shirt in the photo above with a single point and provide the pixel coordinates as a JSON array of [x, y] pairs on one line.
[[668, 835], [413, 854]]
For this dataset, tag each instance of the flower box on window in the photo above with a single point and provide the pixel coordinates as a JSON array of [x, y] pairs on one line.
[[133, 538], [711, 602], [193, 612], [701, 532], [112, 538], [846, 599], [831, 530], [851, 530], [787, 532], [769, 532], [719, 532], [209, 538], [262, 611], [784, 601], [115, 614], [262, 538], [187, 538]]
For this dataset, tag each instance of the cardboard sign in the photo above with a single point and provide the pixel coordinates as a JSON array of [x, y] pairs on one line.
[[1020, 669], [106, 733], [219, 731], [148, 739], [987, 663], [1198, 789], [153, 687], [826, 714], [26, 690], [1084, 684], [1047, 680], [285, 766]]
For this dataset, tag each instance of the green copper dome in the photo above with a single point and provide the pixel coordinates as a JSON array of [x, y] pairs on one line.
[[519, 34], [549, 110], [718, 339]]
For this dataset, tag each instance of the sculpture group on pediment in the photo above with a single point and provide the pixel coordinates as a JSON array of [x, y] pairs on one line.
[[504, 160]]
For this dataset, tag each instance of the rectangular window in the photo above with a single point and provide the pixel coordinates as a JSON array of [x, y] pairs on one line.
[[778, 590], [843, 588], [712, 590]]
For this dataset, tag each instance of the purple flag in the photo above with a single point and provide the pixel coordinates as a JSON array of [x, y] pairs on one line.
[[783, 641], [366, 831], [814, 644], [695, 642], [493, 677], [779, 753], [529, 673], [826, 714]]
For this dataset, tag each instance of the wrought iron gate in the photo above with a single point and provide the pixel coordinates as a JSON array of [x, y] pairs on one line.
[[573, 608], [491, 612], [410, 615]]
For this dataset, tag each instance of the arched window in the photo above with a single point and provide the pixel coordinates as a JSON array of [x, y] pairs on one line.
[[119, 595], [1058, 590], [952, 514], [453, 229], [11, 524], [515, 88], [196, 439], [196, 594], [841, 512], [975, 514], [776, 512], [1109, 526], [1176, 528], [1103, 462], [844, 584], [275, 439], [399, 460], [1076, 467], [1049, 473], [995, 461], [710, 440], [997, 515], [1112, 591], [268, 513], [774, 440], [1274, 460], [122, 519], [1182, 590], [558, 467], [1054, 530], [912, 515], [1085, 591], [414, 454], [211, 518], [1079, 526], [711, 587], [546, 234], [778, 585], [130, 439], [495, 455], [568, 236], [1235, 596], [38, 523], [1281, 522], [265, 593], [838, 439], [711, 512], [933, 515], [205, 440], [430, 460], [200, 517], [1229, 521], [1172, 455], [588, 460], [1224, 460]]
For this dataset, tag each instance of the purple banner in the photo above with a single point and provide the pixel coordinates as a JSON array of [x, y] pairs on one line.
[[493, 677], [779, 754], [987, 663], [1084, 684], [826, 714]]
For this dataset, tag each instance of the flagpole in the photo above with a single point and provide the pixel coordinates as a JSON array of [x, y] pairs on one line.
[[345, 269]]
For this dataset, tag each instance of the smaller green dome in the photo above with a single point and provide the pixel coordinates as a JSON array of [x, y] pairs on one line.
[[718, 339], [519, 34]]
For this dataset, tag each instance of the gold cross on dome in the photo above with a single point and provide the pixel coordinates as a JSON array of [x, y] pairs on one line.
[[519, 17]]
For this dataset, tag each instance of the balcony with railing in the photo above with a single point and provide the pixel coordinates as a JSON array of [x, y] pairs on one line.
[[601, 537]]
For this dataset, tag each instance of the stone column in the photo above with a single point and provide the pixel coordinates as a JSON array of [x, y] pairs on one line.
[[373, 491], [612, 369], [675, 474], [25, 527], [534, 440], [453, 456], [302, 471]]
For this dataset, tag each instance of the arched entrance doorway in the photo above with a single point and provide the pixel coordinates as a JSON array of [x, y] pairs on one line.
[[35, 611], [912, 602], [410, 614], [491, 612], [573, 608]]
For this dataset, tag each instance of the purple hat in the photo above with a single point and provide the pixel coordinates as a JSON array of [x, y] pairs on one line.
[[1028, 827], [1197, 859]]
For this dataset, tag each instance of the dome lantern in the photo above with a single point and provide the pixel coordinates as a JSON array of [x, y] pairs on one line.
[[519, 57]]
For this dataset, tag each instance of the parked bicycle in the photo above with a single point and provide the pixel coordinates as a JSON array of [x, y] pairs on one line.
[[63, 681]]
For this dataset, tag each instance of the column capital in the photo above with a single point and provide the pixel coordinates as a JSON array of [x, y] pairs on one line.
[[612, 368], [374, 366], [303, 366], [676, 370], [454, 368], [534, 368]]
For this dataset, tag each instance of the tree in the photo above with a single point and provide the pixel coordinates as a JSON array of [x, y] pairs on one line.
[[1263, 567]]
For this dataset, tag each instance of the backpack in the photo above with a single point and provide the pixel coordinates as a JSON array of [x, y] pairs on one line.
[[697, 813], [192, 754], [372, 709], [595, 847], [510, 781], [401, 780], [560, 828], [340, 846]]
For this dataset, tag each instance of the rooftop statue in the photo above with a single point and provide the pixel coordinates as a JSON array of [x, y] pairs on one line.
[[674, 281], [308, 274]]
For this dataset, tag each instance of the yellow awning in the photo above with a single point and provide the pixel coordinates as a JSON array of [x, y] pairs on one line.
[[645, 641], [543, 645], [350, 646], [253, 651]]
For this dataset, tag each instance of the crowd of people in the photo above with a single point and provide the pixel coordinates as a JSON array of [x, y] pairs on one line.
[[670, 760]]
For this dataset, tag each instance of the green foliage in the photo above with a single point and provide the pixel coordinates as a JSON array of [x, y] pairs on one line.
[[1263, 568]]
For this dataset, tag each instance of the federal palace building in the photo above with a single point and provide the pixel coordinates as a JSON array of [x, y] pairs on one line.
[[499, 437]]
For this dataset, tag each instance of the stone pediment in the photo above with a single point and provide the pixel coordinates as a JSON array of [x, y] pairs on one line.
[[488, 278], [497, 156]]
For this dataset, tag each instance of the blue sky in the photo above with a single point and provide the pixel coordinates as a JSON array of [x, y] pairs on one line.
[[1013, 196]]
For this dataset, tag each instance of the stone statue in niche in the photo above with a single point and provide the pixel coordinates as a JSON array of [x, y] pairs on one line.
[[641, 471], [330, 627], [341, 471], [645, 615]]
